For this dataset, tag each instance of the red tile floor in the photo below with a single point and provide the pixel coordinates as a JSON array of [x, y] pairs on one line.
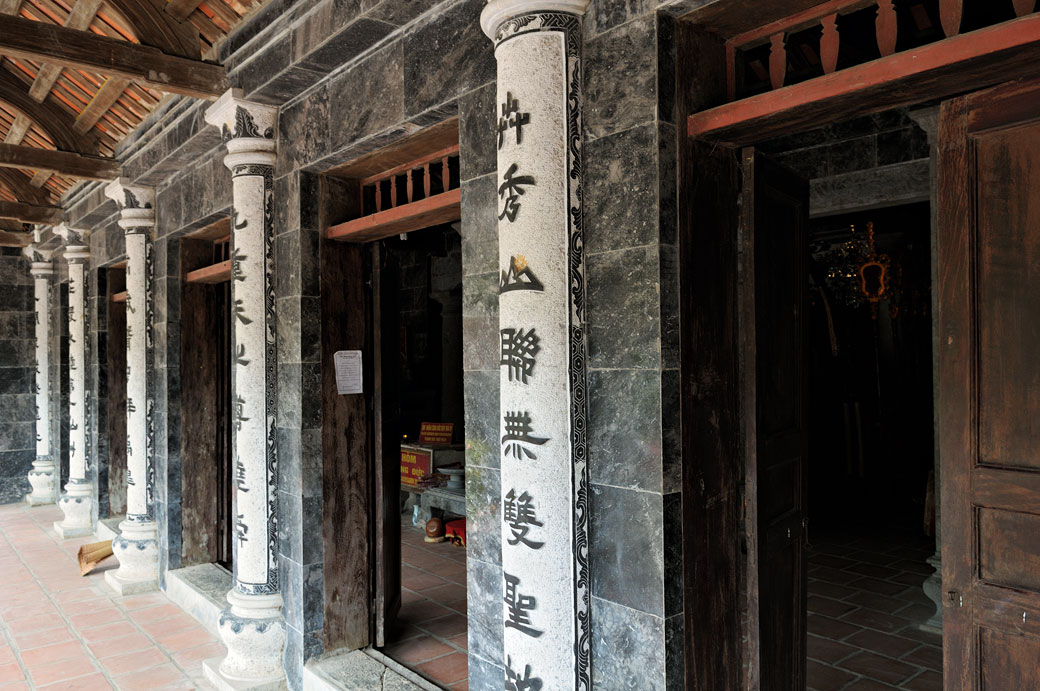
[[60, 630], [430, 636], [865, 609]]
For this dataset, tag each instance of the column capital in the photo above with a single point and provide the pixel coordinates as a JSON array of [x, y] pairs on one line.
[[498, 12], [71, 236], [247, 128], [41, 269], [136, 204]]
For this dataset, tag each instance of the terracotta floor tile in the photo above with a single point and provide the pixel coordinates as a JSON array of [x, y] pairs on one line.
[[423, 610], [417, 650], [820, 677], [461, 641], [36, 609], [100, 633], [461, 686], [827, 650], [926, 681], [828, 607], [36, 639], [877, 586], [448, 669], [49, 621], [132, 602], [445, 627], [91, 682], [52, 653], [886, 644], [831, 590], [150, 679], [830, 628], [97, 618], [164, 611], [11, 672], [881, 603], [193, 658], [91, 606], [119, 645], [184, 640], [173, 624], [68, 669], [926, 656], [133, 662], [878, 667], [875, 620]]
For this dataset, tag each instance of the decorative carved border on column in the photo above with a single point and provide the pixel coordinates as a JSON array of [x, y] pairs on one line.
[[507, 21]]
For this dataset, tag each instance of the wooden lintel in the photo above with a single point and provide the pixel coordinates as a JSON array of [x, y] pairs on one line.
[[32, 40], [215, 273], [14, 239], [119, 297], [441, 208], [975, 60], [64, 163], [32, 213]]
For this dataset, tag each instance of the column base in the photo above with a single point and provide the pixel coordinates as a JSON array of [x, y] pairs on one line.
[[44, 480], [137, 549], [77, 504], [933, 589], [253, 630], [211, 668]]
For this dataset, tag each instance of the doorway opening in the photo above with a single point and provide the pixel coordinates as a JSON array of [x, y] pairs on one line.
[[422, 327], [870, 471], [207, 498], [115, 400]]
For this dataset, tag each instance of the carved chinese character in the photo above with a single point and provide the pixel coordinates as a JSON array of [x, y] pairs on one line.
[[518, 353], [512, 188], [519, 276], [517, 608], [518, 436], [519, 515], [515, 682], [511, 117]]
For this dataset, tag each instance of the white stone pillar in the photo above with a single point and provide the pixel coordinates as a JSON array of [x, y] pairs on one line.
[[542, 310], [44, 474], [137, 547], [77, 501], [252, 627]]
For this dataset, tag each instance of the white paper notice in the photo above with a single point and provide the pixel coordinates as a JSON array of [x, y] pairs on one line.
[[348, 371]]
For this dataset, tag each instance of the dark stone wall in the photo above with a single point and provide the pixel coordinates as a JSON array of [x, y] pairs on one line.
[[17, 375]]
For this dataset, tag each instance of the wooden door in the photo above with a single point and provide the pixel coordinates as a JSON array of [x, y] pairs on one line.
[[988, 250], [225, 481], [386, 363], [773, 377]]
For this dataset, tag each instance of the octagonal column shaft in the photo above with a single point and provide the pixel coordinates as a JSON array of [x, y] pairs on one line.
[[252, 627], [77, 502], [137, 546], [44, 474], [543, 391]]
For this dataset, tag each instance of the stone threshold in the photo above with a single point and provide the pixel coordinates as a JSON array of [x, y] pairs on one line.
[[362, 670], [201, 591]]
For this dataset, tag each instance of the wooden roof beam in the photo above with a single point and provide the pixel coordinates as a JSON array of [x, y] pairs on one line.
[[24, 38], [79, 18], [181, 9], [63, 163], [31, 213], [19, 127], [109, 92]]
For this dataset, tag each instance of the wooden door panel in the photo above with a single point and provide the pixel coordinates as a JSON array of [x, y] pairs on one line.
[[988, 250], [772, 294]]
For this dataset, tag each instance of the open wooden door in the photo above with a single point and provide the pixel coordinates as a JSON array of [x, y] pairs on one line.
[[386, 362], [988, 246], [743, 285], [771, 306]]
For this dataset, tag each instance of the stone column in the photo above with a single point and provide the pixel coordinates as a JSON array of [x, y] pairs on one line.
[[44, 474], [252, 627], [137, 547], [77, 501], [928, 120], [542, 308]]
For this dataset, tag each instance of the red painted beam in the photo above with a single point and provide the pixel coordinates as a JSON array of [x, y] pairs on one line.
[[975, 60]]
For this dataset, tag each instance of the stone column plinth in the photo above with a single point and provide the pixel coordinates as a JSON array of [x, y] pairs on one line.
[[77, 501], [542, 308], [252, 627], [44, 474], [137, 547]]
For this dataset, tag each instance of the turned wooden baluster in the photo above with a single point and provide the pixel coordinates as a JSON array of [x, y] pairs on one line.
[[950, 12], [886, 27], [778, 59], [426, 179], [1023, 7], [408, 184], [829, 43]]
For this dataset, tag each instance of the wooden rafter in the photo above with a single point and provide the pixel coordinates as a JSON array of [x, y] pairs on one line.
[[80, 18], [24, 38], [111, 90], [181, 9], [20, 187], [19, 127], [49, 117], [10, 6], [61, 162], [31, 213]]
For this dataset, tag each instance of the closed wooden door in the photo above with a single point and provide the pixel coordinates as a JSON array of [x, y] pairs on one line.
[[988, 247], [772, 285]]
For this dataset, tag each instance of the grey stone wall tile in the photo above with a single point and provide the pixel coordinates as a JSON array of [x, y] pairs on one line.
[[666, 81], [621, 78], [603, 15], [622, 190], [670, 328], [480, 335], [480, 226], [313, 598], [675, 663], [673, 554], [303, 135], [482, 410], [399, 12], [483, 514], [478, 143], [363, 100], [446, 54], [484, 674], [343, 45], [671, 437], [626, 551], [627, 648], [484, 610], [625, 429], [624, 312]]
